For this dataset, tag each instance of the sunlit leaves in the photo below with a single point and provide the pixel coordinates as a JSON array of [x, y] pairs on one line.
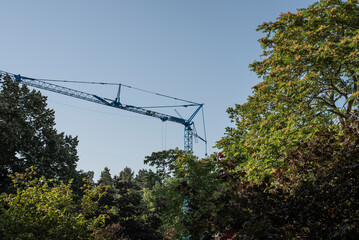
[[46, 209], [309, 71]]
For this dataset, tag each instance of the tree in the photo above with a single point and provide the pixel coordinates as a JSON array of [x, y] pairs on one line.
[[292, 159], [122, 201], [310, 76], [314, 198], [105, 178], [45, 209], [29, 138], [146, 179], [324, 203], [130, 212], [126, 175], [164, 161], [190, 200]]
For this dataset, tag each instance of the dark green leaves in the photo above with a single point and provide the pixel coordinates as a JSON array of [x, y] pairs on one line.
[[28, 136]]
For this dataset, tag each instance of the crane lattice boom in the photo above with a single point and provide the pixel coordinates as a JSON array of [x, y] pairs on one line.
[[188, 123]]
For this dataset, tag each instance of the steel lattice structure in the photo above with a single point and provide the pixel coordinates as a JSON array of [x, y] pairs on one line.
[[189, 130]]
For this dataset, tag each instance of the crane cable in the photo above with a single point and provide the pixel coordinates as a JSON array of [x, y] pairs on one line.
[[117, 84], [205, 135]]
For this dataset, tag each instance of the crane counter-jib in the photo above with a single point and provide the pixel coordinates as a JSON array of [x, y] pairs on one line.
[[113, 103]]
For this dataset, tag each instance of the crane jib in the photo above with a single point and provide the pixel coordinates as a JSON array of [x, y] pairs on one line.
[[188, 123]]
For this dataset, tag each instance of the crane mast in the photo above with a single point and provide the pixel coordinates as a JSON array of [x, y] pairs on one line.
[[189, 130]]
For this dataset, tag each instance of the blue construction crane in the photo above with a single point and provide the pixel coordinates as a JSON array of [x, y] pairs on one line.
[[189, 127]]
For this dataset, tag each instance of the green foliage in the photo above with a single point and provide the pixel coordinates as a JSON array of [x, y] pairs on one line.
[[314, 198], [289, 167], [130, 217], [45, 209], [187, 198], [146, 179], [29, 138], [105, 178], [310, 73], [325, 171], [126, 175], [164, 161]]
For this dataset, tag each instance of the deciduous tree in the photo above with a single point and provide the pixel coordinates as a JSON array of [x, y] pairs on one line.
[[164, 161], [28, 136], [46, 209], [309, 70]]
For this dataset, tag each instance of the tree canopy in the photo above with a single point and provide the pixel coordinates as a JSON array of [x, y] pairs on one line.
[[105, 178], [29, 138], [288, 168], [46, 209], [309, 69]]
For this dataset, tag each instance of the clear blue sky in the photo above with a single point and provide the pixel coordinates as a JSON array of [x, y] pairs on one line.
[[195, 50]]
